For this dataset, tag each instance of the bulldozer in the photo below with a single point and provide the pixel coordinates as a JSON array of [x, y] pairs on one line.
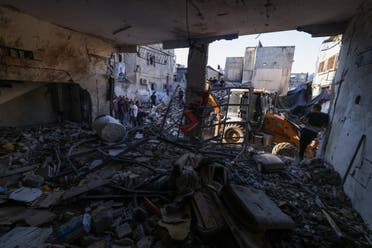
[[238, 115]]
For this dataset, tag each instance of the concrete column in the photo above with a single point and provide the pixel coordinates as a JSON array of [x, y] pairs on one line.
[[351, 113], [196, 71]]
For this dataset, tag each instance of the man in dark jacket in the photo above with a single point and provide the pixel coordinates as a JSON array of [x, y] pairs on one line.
[[153, 99], [315, 121]]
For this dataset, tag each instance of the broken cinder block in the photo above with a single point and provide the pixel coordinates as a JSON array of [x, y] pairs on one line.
[[268, 162], [254, 208], [123, 230]]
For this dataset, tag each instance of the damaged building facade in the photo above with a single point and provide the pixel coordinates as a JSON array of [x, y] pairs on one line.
[[50, 73], [298, 79], [266, 68], [150, 69], [327, 63], [234, 69], [326, 68]]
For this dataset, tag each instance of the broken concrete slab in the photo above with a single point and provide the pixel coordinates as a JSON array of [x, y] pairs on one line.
[[123, 230], [25, 237], [268, 162], [25, 194], [254, 208]]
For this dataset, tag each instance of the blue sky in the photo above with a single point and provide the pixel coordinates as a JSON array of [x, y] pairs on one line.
[[306, 51]]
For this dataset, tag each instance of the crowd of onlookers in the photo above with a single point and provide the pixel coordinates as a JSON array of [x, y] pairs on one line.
[[216, 83], [128, 111], [131, 112]]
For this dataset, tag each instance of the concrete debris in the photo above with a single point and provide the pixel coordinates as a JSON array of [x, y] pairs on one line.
[[25, 194], [157, 190], [267, 163], [123, 230], [25, 237]]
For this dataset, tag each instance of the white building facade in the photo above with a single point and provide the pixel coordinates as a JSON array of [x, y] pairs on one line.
[[150, 69]]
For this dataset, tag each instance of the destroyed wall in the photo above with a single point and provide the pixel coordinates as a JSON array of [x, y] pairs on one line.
[[249, 63], [148, 70], [272, 70], [351, 114], [35, 51], [297, 79], [234, 69]]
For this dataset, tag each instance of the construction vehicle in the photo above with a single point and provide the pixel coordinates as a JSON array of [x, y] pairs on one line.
[[238, 115]]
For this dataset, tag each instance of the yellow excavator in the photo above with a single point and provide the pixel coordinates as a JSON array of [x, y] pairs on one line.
[[241, 114]]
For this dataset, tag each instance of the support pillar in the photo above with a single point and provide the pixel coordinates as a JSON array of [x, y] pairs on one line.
[[195, 86], [196, 71]]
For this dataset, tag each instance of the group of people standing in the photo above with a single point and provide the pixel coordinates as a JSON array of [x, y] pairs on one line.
[[216, 83], [128, 111]]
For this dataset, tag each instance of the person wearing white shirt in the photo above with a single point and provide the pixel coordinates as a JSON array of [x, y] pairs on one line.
[[134, 113]]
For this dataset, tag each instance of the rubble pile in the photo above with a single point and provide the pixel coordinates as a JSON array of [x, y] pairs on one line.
[[167, 115], [312, 194], [62, 186]]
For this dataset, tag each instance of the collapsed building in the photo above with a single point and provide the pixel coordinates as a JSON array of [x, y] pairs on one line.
[[298, 79], [264, 67], [55, 65]]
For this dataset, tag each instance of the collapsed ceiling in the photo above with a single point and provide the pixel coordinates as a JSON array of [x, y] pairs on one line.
[[149, 21]]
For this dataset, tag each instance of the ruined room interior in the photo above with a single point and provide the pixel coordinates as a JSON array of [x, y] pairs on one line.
[[199, 165]]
